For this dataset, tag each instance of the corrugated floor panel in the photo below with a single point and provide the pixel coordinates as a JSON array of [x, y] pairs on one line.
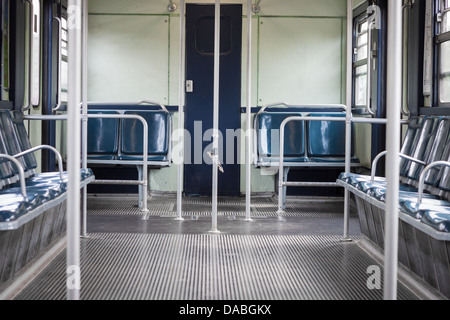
[[126, 257], [261, 207], [213, 267]]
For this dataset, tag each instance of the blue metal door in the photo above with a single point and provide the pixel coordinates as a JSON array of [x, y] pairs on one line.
[[200, 93]]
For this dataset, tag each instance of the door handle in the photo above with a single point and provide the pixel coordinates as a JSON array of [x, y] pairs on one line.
[[189, 86]]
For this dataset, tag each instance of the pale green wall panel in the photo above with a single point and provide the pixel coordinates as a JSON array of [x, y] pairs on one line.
[[128, 6], [304, 7], [300, 60], [128, 58]]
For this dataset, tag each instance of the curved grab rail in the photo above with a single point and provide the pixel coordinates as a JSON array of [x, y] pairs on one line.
[[312, 106], [384, 153], [163, 107], [32, 150], [142, 102], [21, 174], [422, 179], [369, 69], [59, 88]]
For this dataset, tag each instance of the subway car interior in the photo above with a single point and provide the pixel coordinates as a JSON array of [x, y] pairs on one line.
[[312, 162]]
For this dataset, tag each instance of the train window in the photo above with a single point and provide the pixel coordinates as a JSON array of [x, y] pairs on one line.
[[360, 63], [5, 50], [443, 48]]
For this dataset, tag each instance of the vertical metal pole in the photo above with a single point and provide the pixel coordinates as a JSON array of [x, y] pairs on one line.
[[181, 110], [348, 123], [215, 152], [145, 170], [74, 150], [281, 185], [394, 102], [248, 168], [84, 128]]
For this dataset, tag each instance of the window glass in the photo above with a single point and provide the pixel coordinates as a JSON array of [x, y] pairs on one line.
[[64, 52], [361, 86], [360, 64], [443, 45], [444, 68], [445, 26]]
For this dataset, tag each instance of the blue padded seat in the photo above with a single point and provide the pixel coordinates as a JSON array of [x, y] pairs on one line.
[[294, 140], [325, 138], [353, 179], [13, 205], [159, 127], [439, 220], [46, 192], [54, 177], [410, 206], [103, 137]]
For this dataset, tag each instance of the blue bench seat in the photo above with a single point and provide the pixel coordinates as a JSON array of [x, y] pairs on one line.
[[120, 141], [41, 189], [13, 205], [439, 220], [424, 228]]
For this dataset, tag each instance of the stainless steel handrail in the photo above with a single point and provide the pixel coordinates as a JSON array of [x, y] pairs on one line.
[[384, 153], [423, 176], [32, 150], [21, 174], [312, 106], [59, 88]]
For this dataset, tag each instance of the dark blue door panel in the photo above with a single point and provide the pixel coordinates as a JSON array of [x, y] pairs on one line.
[[199, 103]]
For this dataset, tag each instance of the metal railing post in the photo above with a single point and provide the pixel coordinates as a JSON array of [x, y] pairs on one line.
[[73, 151], [182, 98], [248, 164], [394, 102]]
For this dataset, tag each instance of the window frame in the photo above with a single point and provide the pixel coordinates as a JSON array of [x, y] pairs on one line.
[[439, 39], [359, 21], [5, 96]]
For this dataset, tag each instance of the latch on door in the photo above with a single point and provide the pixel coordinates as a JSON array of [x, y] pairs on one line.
[[189, 86]]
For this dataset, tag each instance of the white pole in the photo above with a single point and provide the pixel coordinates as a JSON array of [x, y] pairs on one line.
[[215, 151], [74, 150], [394, 102], [84, 128], [181, 111], [248, 189], [348, 125]]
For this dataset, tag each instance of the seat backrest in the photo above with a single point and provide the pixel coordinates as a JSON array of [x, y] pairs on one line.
[[6, 171], [103, 134], [421, 147], [439, 150], [268, 135], [415, 124], [10, 139], [326, 138], [159, 133], [22, 138]]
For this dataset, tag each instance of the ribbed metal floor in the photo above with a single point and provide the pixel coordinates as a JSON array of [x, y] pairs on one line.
[[164, 260], [211, 267]]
